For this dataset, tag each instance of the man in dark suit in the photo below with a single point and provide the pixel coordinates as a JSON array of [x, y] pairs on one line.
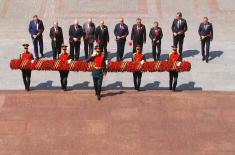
[[156, 35], [179, 27], [121, 32], [138, 34], [205, 32], [36, 29], [102, 37], [57, 39], [89, 37], [75, 35]]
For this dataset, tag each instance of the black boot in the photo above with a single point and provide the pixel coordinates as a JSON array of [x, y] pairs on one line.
[[174, 86], [99, 93]]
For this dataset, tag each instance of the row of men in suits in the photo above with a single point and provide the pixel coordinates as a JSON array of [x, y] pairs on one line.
[[91, 34]]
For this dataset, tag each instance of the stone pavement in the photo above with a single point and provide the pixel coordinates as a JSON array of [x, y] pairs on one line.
[[122, 123], [217, 75]]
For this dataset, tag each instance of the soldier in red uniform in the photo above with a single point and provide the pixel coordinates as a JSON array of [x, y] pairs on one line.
[[138, 57], [64, 56], [99, 70], [26, 74], [173, 56]]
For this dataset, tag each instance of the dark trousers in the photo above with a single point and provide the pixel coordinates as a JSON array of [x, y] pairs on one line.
[[63, 79], [205, 44], [56, 49], [173, 76], [178, 41], [88, 48], [98, 84], [26, 75], [75, 50], [103, 47], [156, 55], [137, 79], [120, 49], [36, 42], [135, 44]]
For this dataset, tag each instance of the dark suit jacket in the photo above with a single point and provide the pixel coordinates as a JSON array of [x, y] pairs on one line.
[[206, 30], [138, 36], [33, 28], [183, 26], [75, 34], [89, 33], [59, 35], [155, 33], [121, 32], [102, 35]]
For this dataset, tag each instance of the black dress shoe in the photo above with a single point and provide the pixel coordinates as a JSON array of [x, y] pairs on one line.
[[170, 88], [98, 97], [203, 59], [207, 60]]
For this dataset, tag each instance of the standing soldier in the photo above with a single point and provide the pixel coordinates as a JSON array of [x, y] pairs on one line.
[[138, 34], [206, 35], [57, 39], [75, 35], [156, 35], [36, 29], [102, 37], [173, 75], [26, 74], [64, 57], [98, 70], [139, 58], [121, 32], [89, 37], [179, 27]]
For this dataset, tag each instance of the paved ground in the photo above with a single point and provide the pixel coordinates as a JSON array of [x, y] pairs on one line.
[[217, 75], [122, 123], [52, 122]]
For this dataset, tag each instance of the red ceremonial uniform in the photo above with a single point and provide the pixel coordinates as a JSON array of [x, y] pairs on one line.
[[64, 56], [98, 60], [173, 56], [138, 57], [26, 55]]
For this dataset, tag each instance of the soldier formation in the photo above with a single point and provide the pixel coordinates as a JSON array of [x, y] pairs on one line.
[[91, 34]]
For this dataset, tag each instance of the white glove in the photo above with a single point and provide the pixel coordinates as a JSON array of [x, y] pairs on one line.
[[94, 54], [106, 62], [69, 61], [178, 64], [32, 61], [142, 62]]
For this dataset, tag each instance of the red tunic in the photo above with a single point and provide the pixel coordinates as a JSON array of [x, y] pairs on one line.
[[173, 56], [64, 56], [138, 57], [98, 60], [24, 56]]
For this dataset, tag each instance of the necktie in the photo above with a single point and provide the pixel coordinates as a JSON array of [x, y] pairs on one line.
[[37, 25], [179, 23]]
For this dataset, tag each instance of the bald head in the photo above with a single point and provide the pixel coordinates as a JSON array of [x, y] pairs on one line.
[[76, 22], [89, 20], [55, 23], [101, 23], [121, 20]]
